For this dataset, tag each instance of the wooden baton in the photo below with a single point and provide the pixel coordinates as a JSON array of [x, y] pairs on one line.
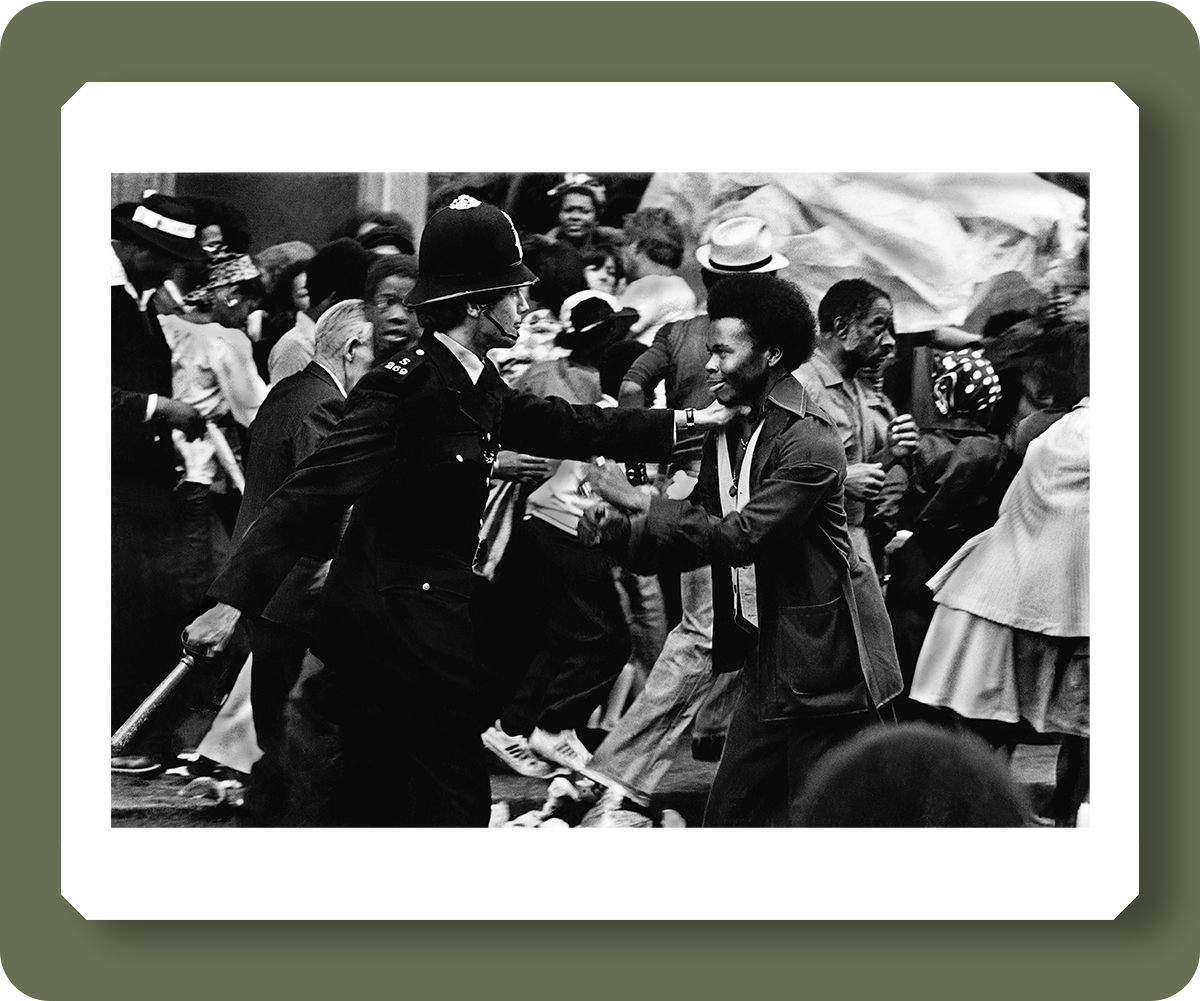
[[129, 729]]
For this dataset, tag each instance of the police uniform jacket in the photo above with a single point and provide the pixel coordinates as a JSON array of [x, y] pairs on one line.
[[413, 455], [823, 645]]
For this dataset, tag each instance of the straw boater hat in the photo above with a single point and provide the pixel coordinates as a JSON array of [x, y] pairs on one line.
[[168, 224], [740, 246], [468, 247]]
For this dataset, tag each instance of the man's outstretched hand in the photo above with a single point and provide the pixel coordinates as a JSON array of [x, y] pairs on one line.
[[607, 481], [604, 525]]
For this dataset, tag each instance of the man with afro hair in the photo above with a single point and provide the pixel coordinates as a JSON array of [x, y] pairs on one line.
[[795, 610]]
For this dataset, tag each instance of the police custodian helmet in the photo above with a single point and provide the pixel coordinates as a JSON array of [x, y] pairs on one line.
[[468, 247]]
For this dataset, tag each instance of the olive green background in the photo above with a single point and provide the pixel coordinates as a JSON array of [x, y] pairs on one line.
[[48, 951]]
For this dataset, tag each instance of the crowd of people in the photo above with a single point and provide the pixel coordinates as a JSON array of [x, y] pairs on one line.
[[532, 502]]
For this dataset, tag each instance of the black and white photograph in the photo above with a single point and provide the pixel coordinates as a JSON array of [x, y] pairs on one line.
[[600, 499]]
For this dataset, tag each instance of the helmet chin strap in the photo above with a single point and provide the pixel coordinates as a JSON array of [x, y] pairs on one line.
[[486, 312]]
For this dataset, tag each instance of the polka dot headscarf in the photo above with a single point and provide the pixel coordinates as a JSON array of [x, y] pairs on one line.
[[965, 384]]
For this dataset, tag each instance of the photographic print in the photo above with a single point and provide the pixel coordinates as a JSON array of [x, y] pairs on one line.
[[714, 500]]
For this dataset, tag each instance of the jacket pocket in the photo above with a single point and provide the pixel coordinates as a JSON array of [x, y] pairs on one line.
[[452, 449], [816, 651], [433, 580]]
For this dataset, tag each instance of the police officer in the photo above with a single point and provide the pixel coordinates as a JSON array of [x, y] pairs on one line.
[[401, 694]]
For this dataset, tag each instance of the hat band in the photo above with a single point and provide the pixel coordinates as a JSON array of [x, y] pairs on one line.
[[173, 227], [715, 266]]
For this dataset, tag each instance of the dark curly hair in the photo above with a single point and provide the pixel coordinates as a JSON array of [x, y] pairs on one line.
[[773, 308], [394, 265], [559, 268], [339, 269], [851, 299], [235, 230]]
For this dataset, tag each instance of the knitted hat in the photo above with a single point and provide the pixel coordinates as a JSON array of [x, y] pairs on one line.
[[274, 260]]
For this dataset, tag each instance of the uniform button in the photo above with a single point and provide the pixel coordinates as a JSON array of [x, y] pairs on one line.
[[425, 586], [420, 351], [459, 458]]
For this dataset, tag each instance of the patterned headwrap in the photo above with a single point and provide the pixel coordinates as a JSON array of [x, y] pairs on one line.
[[224, 268], [965, 384]]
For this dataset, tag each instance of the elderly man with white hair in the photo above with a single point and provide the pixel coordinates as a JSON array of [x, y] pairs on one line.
[[297, 414]]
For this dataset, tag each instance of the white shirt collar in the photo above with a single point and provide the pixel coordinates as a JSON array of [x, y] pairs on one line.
[[472, 364], [336, 378]]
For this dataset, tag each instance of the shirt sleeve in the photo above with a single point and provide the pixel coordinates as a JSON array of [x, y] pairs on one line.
[[556, 429], [808, 471], [238, 379], [652, 365]]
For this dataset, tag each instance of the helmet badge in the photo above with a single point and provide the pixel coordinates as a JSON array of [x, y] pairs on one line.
[[465, 202]]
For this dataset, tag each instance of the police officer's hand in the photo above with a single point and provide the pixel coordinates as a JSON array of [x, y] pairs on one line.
[[716, 415], [606, 480], [902, 436], [604, 525], [523, 468], [864, 480], [183, 416], [212, 631]]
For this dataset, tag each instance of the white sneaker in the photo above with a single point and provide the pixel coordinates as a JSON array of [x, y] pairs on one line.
[[515, 753], [567, 749], [563, 748]]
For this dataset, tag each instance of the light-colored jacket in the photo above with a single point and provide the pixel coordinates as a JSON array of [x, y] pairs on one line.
[[1031, 570]]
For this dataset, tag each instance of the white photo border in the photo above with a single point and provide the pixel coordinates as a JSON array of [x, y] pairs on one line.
[[1087, 873]]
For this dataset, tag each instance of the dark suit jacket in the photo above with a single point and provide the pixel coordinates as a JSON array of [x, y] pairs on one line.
[[808, 658], [142, 451], [296, 415], [413, 455]]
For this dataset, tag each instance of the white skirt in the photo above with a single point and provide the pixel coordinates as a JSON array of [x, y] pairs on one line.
[[983, 670]]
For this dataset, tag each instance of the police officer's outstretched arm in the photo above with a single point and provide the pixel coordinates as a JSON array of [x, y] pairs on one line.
[[553, 427], [348, 463]]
